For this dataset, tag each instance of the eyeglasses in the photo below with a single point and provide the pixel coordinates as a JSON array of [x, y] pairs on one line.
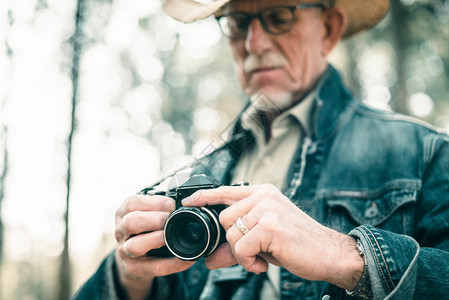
[[275, 20]]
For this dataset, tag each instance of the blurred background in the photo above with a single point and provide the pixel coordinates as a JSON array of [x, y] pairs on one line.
[[100, 98]]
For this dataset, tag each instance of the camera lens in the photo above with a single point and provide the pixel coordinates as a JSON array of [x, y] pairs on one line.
[[192, 232]]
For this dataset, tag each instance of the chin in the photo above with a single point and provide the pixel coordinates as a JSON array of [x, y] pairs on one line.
[[271, 101]]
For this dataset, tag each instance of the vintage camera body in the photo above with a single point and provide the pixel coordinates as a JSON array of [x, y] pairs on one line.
[[191, 233]]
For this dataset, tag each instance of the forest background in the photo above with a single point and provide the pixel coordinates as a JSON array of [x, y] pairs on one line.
[[100, 98]]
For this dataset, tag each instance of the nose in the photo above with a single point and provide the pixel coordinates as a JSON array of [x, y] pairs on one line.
[[257, 40]]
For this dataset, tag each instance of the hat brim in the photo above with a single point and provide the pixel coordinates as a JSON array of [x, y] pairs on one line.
[[362, 14]]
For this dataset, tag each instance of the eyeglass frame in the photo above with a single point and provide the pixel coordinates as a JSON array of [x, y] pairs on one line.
[[251, 17]]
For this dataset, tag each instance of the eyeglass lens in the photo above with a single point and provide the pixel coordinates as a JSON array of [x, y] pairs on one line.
[[275, 21]]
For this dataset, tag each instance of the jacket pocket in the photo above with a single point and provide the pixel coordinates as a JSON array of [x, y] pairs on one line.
[[392, 210]]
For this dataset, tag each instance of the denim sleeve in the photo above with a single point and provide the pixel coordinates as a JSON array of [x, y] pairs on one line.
[[403, 267], [101, 286]]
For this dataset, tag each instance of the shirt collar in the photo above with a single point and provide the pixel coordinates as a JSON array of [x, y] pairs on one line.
[[301, 113]]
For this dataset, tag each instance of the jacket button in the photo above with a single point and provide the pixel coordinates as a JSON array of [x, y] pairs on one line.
[[371, 211], [326, 297], [195, 277]]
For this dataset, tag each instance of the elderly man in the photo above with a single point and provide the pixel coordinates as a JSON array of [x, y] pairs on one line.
[[345, 201]]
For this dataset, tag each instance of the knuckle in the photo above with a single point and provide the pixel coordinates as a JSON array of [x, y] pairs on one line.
[[268, 186], [161, 220], [228, 235], [128, 222], [269, 223], [118, 215], [196, 198], [265, 202], [124, 208], [129, 204], [270, 192], [249, 266], [238, 249], [223, 217], [118, 234], [157, 269], [224, 189], [168, 203]]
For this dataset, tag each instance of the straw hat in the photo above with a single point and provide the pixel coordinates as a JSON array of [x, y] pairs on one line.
[[362, 14]]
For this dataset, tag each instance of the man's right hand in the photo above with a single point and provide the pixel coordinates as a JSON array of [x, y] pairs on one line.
[[139, 229]]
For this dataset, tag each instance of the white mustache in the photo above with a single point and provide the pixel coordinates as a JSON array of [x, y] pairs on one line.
[[268, 60]]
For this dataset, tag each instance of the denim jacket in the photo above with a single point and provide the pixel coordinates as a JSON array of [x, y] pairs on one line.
[[379, 176]]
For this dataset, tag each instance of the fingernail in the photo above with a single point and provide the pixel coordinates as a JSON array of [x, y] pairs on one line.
[[170, 205], [187, 201], [125, 249]]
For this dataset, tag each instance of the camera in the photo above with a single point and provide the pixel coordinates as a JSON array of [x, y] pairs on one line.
[[191, 233]]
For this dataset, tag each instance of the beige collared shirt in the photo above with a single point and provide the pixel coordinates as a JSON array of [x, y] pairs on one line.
[[269, 161]]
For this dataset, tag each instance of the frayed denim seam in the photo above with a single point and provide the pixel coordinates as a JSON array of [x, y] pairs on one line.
[[409, 269], [377, 258]]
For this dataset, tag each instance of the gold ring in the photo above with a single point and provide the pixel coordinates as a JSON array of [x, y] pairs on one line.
[[241, 226]]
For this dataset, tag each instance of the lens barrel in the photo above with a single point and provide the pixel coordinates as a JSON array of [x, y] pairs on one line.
[[191, 233]]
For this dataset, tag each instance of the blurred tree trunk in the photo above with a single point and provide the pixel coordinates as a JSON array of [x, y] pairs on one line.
[[65, 276], [353, 71], [399, 42], [179, 106], [3, 141], [3, 174]]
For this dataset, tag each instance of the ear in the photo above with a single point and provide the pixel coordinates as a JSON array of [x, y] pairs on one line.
[[335, 21]]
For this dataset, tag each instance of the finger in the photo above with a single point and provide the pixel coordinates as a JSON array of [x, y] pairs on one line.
[[138, 221], [167, 266], [229, 216], [249, 259], [146, 203], [223, 195], [265, 209], [255, 264], [140, 244], [149, 267], [233, 235], [221, 258], [246, 250]]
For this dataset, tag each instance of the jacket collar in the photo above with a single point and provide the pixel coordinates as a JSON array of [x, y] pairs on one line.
[[333, 107], [333, 104]]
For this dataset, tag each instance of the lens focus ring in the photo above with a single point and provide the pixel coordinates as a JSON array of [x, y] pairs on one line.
[[192, 232]]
